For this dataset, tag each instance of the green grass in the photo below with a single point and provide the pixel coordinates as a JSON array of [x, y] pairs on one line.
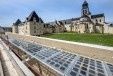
[[100, 39]]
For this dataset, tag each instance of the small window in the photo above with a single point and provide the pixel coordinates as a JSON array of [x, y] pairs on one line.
[[44, 26], [34, 27], [96, 21], [100, 20], [26, 27], [34, 31]]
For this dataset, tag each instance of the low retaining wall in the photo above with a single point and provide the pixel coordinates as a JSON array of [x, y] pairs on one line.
[[94, 51]]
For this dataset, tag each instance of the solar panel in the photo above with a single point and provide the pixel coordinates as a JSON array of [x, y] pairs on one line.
[[87, 67], [67, 64], [61, 61], [110, 68]]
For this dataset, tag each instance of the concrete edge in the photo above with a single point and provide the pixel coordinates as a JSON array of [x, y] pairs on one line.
[[1, 70], [24, 68]]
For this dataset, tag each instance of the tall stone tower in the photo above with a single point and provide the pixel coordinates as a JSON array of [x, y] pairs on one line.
[[85, 9]]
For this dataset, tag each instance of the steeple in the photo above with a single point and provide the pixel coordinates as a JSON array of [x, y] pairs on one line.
[[85, 8]]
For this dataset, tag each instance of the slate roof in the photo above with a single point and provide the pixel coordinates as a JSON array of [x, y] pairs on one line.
[[85, 4], [97, 16], [17, 22], [34, 15], [68, 21]]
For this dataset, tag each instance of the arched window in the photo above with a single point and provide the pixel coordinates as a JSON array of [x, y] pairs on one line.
[[86, 26]]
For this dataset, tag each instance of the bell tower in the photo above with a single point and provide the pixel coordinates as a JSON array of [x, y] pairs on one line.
[[85, 9]]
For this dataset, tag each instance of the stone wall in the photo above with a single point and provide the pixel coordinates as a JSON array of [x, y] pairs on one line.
[[94, 51], [108, 29]]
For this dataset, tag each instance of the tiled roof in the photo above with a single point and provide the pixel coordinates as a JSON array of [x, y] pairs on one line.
[[34, 15], [98, 15]]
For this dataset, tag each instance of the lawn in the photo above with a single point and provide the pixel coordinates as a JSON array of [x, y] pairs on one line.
[[100, 39]]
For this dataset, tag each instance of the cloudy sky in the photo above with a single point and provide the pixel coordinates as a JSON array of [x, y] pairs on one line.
[[50, 10]]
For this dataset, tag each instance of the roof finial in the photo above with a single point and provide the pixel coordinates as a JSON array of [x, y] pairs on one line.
[[85, 1]]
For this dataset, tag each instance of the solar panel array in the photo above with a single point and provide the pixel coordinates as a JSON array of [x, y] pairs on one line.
[[67, 64]]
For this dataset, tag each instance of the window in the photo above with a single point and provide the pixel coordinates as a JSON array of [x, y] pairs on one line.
[[96, 21], [34, 27], [34, 31], [86, 26], [44, 26], [26, 27], [100, 20]]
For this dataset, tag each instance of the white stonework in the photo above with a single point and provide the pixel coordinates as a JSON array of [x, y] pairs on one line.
[[36, 27]]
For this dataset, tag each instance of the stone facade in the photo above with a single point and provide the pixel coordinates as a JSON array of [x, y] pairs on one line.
[[35, 26], [108, 28]]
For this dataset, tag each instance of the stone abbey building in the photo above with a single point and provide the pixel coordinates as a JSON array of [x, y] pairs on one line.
[[87, 23], [35, 26]]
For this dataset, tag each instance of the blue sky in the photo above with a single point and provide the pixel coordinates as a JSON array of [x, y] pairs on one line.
[[51, 10]]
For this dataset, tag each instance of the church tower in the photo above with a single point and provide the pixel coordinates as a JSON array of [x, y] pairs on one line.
[[85, 9]]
